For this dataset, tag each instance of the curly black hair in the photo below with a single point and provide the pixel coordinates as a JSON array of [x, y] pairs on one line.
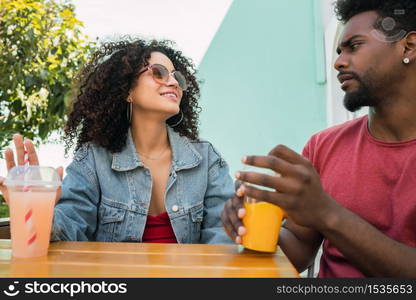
[[403, 12], [99, 112]]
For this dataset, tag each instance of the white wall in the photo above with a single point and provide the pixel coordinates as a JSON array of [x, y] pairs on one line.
[[190, 23]]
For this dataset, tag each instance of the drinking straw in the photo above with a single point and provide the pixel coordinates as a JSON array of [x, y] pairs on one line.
[[28, 211]]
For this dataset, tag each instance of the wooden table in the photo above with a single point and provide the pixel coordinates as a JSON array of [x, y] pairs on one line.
[[97, 259]]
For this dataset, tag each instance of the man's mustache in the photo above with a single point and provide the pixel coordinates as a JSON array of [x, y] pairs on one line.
[[352, 74]]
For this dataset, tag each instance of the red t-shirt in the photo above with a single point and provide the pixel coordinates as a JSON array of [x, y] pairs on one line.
[[374, 179], [158, 230]]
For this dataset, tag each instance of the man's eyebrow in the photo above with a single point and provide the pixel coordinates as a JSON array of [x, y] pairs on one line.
[[348, 42]]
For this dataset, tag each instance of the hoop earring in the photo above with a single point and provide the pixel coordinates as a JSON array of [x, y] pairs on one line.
[[177, 123], [129, 110]]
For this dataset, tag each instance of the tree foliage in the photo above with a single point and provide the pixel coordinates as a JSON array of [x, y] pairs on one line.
[[41, 49]]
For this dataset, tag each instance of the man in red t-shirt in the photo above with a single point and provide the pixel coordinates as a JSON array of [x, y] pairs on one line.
[[354, 187]]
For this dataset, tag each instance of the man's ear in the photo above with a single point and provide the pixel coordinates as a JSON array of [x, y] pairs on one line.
[[410, 46]]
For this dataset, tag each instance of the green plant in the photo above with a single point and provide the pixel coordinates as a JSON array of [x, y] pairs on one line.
[[41, 49], [4, 209]]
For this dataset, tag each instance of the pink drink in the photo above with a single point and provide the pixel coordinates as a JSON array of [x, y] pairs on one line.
[[30, 220]]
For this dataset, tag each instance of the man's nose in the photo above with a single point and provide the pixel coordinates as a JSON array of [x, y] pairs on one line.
[[341, 63]]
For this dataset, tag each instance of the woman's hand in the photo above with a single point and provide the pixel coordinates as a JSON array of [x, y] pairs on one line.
[[232, 215], [23, 147]]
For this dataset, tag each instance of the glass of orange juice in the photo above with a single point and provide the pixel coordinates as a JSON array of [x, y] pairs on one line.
[[262, 220], [32, 194]]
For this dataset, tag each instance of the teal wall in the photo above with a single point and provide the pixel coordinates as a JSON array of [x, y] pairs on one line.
[[264, 78]]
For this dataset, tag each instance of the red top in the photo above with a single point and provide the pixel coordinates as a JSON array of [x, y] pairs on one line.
[[374, 179], [158, 230]]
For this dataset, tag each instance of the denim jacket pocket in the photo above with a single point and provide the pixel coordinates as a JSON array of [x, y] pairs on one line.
[[111, 223], [196, 214]]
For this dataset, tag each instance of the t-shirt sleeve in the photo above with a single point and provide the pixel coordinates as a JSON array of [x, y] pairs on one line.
[[310, 151], [307, 151]]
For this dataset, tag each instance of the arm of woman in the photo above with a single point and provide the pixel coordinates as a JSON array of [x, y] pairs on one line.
[[220, 188], [76, 213]]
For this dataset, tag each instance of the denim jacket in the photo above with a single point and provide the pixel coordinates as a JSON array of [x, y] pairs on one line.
[[105, 196]]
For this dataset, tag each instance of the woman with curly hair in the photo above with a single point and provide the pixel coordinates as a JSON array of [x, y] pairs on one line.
[[140, 172]]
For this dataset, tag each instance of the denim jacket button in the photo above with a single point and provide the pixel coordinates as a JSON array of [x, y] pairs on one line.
[[175, 208]]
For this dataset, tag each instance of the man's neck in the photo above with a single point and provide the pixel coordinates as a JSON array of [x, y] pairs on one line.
[[395, 120]]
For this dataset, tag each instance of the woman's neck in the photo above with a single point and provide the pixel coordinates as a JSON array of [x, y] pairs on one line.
[[150, 137]]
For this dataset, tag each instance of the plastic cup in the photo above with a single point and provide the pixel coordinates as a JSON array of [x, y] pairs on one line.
[[32, 193], [262, 220]]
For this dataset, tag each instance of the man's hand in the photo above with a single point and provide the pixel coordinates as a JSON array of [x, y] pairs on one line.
[[23, 147], [298, 188]]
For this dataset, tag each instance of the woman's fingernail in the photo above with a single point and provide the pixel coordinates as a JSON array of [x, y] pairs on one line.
[[241, 230], [244, 159], [237, 175], [241, 212], [238, 240], [239, 192]]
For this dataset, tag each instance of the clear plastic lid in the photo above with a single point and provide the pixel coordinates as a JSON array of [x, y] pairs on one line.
[[33, 176]]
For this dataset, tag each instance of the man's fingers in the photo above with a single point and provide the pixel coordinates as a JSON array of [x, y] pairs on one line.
[[281, 184], [31, 152], [20, 149], [287, 154], [8, 154], [270, 162]]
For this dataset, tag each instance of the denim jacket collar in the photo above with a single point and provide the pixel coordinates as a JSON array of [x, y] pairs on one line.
[[184, 154]]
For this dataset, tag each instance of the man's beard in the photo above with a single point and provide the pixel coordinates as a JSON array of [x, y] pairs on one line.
[[363, 96]]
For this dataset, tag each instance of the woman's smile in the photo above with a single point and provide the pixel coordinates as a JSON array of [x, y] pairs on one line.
[[171, 95]]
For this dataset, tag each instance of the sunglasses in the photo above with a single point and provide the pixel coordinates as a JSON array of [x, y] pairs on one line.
[[161, 75]]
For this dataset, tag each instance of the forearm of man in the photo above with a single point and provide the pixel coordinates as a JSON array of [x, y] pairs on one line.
[[300, 244], [373, 252]]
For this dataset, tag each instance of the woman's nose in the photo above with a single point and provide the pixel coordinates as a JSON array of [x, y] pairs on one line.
[[172, 81]]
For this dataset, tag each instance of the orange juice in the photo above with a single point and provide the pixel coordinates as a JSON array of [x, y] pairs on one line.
[[30, 232], [262, 221]]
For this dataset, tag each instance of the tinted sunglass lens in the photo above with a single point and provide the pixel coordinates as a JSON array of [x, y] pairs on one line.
[[160, 72], [181, 80]]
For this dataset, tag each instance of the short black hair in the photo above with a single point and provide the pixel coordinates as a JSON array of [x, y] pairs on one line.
[[403, 12]]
